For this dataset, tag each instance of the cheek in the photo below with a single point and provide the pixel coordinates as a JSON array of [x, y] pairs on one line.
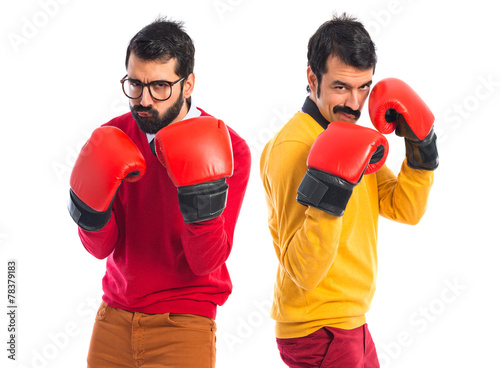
[[326, 109], [331, 100], [362, 101], [161, 107], [329, 95]]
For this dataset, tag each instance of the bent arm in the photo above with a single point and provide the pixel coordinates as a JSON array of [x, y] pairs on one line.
[[404, 199], [306, 239], [207, 244], [101, 243]]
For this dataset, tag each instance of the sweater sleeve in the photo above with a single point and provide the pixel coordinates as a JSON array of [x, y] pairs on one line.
[[306, 238], [100, 243], [207, 244], [404, 199]]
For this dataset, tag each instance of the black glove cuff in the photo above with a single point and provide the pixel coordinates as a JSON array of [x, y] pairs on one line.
[[423, 155], [86, 217], [324, 191], [201, 202]]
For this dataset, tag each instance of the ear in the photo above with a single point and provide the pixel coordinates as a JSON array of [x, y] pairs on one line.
[[189, 86], [312, 80]]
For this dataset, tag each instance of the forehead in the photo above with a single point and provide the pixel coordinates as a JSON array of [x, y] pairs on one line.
[[149, 70], [337, 70]]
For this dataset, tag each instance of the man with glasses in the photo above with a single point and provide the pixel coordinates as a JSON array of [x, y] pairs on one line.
[[157, 192]]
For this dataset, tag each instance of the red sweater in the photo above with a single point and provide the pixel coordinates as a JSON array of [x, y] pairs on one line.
[[156, 263]]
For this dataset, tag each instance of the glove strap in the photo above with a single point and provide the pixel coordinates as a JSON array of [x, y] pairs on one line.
[[324, 191], [86, 217], [201, 202], [422, 155]]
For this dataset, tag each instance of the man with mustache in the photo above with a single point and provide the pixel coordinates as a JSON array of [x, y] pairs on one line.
[[157, 192], [326, 185]]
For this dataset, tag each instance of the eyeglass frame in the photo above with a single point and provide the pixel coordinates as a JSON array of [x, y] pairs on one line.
[[171, 84]]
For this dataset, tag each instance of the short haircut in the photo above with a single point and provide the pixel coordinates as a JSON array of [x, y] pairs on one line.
[[344, 37], [161, 41]]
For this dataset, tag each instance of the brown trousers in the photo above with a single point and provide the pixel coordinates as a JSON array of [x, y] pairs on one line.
[[126, 339]]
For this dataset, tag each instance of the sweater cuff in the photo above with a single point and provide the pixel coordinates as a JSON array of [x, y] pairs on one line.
[[416, 174], [100, 243]]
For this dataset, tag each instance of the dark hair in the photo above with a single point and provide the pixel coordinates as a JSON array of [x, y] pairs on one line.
[[344, 37], [163, 40]]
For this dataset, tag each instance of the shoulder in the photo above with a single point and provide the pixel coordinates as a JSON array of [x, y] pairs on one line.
[[125, 122], [300, 130], [294, 140], [241, 151]]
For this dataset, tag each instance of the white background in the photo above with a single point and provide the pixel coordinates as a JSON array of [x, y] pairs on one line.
[[61, 62]]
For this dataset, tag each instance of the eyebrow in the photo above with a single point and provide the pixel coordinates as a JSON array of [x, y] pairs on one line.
[[340, 83], [158, 80]]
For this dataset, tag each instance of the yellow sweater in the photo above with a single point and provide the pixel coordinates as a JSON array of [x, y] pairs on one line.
[[328, 265]]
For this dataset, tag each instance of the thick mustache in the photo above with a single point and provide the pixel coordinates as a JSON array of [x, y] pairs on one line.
[[140, 108], [347, 110]]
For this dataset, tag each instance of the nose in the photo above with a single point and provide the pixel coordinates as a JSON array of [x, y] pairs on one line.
[[353, 100], [146, 99]]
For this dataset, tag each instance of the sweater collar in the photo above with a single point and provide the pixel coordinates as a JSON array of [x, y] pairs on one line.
[[312, 109]]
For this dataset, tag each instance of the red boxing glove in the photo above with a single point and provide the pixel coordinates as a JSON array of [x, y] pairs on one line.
[[394, 105], [198, 156], [108, 158], [337, 161]]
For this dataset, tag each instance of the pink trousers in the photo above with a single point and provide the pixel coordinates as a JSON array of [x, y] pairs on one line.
[[330, 347]]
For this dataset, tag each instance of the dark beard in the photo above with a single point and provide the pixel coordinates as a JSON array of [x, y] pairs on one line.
[[347, 110], [152, 124]]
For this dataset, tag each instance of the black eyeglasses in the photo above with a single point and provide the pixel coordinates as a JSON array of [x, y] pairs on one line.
[[160, 90]]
